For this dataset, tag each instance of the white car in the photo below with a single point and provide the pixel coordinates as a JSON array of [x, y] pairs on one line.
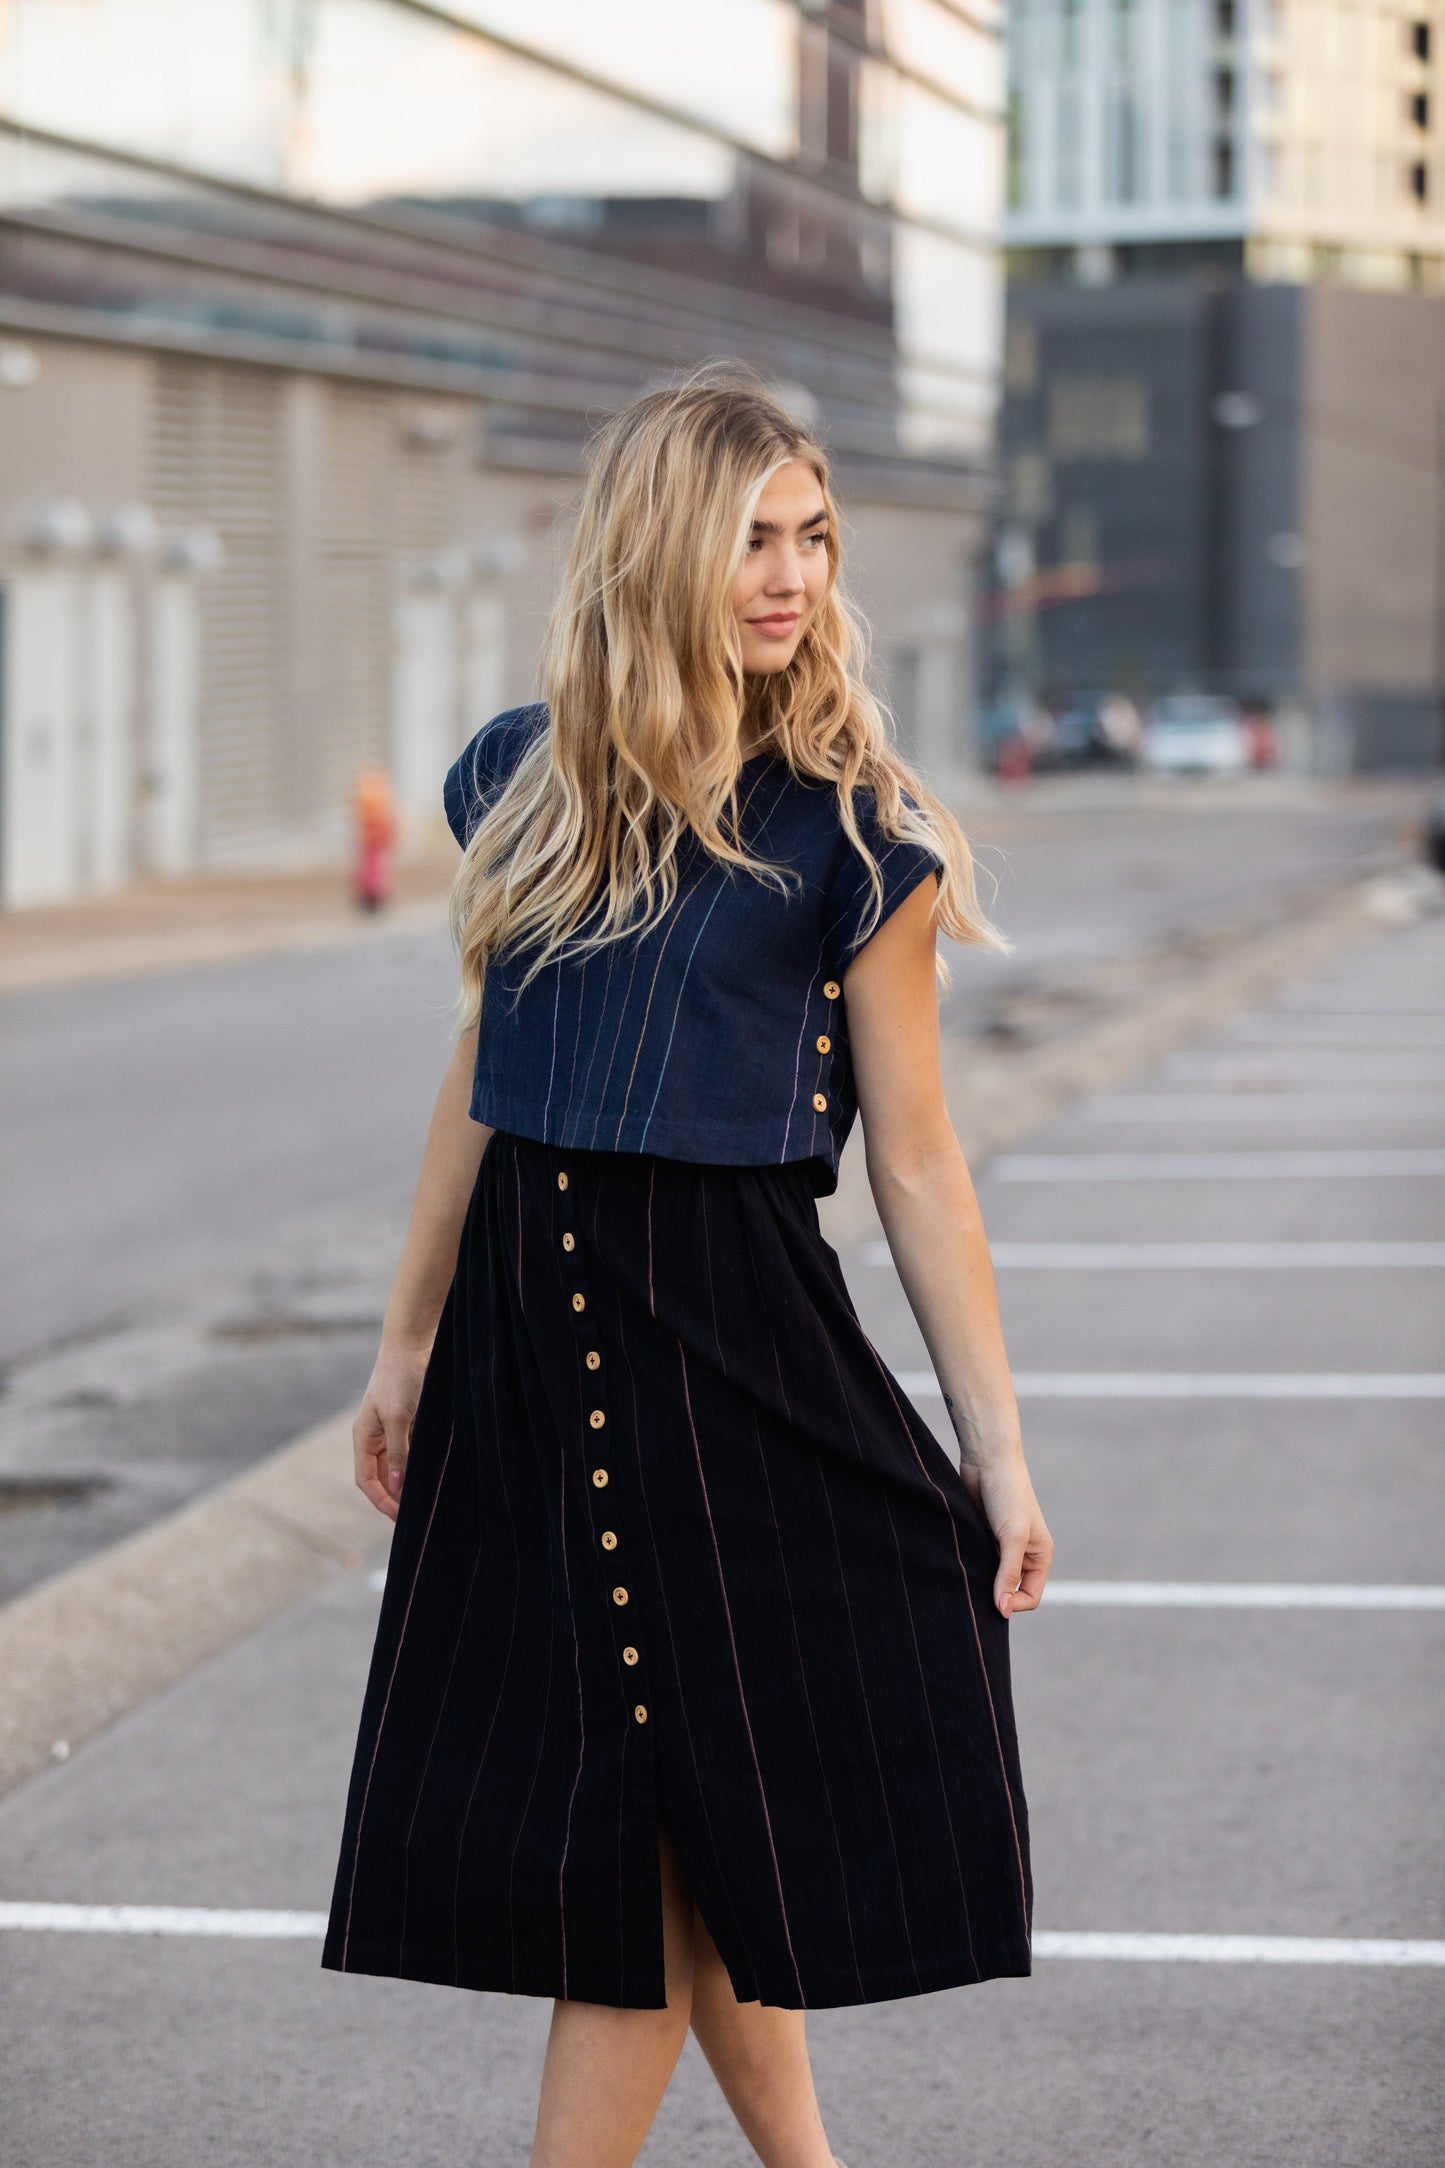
[[1195, 734]]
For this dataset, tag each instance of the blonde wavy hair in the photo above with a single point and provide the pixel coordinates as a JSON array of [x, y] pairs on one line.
[[643, 675]]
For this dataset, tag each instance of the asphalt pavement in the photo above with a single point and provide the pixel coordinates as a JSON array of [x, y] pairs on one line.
[[1223, 1297]]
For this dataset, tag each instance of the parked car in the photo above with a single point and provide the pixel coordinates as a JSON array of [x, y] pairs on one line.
[[1435, 833], [1196, 734], [1090, 729]]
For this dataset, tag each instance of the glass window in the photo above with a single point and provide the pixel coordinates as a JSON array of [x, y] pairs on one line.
[[1018, 121], [201, 82], [401, 105], [271, 94], [1069, 165], [949, 304], [732, 63], [927, 156], [941, 44], [1068, 33], [1126, 146]]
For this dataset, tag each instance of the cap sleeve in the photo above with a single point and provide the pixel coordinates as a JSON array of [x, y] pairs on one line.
[[478, 776], [849, 905]]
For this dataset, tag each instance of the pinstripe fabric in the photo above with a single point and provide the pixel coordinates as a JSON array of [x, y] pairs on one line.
[[819, 1706], [699, 1040]]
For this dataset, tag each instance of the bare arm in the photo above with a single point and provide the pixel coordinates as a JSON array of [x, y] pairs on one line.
[[930, 1214], [381, 1434]]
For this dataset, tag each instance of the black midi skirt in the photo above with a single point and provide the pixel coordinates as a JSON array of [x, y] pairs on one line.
[[673, 1547]]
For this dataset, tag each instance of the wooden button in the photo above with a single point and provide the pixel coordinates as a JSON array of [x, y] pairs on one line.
[[597, 1418], [629, 1656], [594, 1360], [562, 1181], [823, 1043], [831, 992], [609, 1540], [640, 1712], [619, 1595], [579, 1302], [599, 1478], [820, 1102], [569, 1241]]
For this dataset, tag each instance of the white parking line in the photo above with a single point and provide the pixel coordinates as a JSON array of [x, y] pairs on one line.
[[1149, 1948], [1205, 1385], [164, 1920], [1384, 1105], [1267, 1069], [1250, 1595], [1239, 1949], [1278, 1166], [1198, 1256], [1326, 1028]]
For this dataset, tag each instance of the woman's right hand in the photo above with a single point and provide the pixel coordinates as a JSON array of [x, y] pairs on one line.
[[381, 1433]]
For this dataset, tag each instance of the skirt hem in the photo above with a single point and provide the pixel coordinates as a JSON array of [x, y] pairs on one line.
[[886, 1983]]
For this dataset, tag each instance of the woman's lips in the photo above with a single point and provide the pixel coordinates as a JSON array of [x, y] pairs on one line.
[[774, 628]]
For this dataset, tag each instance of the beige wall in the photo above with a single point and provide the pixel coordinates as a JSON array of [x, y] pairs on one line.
[[1374, 492], [80, 429]]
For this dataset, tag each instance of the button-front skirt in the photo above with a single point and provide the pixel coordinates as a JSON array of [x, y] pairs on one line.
[[673, 1546]]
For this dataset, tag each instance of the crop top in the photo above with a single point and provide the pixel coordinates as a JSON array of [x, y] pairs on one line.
[[720, 1033]]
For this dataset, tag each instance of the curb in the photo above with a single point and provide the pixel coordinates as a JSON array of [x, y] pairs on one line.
[[84, 1648]]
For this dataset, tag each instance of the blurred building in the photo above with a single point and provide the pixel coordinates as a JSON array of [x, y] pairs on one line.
[[307, 307], [1224, 430]]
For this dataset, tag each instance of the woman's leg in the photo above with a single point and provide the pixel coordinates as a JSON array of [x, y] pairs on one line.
[[759, 2056], [606, 2070]]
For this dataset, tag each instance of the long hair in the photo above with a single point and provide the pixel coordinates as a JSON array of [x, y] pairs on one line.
[[642, 671]]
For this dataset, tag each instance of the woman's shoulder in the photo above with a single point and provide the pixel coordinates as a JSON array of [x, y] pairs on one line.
[[482, 768]]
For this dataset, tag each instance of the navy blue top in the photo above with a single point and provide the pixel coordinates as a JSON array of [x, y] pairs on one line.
[[721, 1032]]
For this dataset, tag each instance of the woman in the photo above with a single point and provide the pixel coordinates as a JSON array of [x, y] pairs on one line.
[[689, 1701]]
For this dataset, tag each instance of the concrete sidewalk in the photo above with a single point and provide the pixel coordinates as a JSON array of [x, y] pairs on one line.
[[216, 918], [1225, 1767]]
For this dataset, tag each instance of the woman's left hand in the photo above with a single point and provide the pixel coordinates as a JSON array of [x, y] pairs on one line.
[[1005, 1492]]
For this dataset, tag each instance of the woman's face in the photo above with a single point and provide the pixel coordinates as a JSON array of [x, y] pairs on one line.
[[784, 571]]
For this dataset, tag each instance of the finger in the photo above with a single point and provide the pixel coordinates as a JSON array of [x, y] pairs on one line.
[[383, 1502], [396, 1448], [1035, 1573], [368, 1436], [371, 1474], [369, 1455], [1011, 1544]]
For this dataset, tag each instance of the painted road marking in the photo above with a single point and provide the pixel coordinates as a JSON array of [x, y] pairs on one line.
[[1323, 1027], [1384, 1105], [1205, 1385], [164, 1920], [1250, 1595], [1199, 1256], [256, 1926], [1310, 1065], [1239, 1949], [1281, 1166]]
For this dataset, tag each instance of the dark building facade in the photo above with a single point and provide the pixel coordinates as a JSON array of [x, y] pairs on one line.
[[1232, 487]]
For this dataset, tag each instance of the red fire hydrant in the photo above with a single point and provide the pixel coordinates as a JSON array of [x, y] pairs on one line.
[[374, 814]]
